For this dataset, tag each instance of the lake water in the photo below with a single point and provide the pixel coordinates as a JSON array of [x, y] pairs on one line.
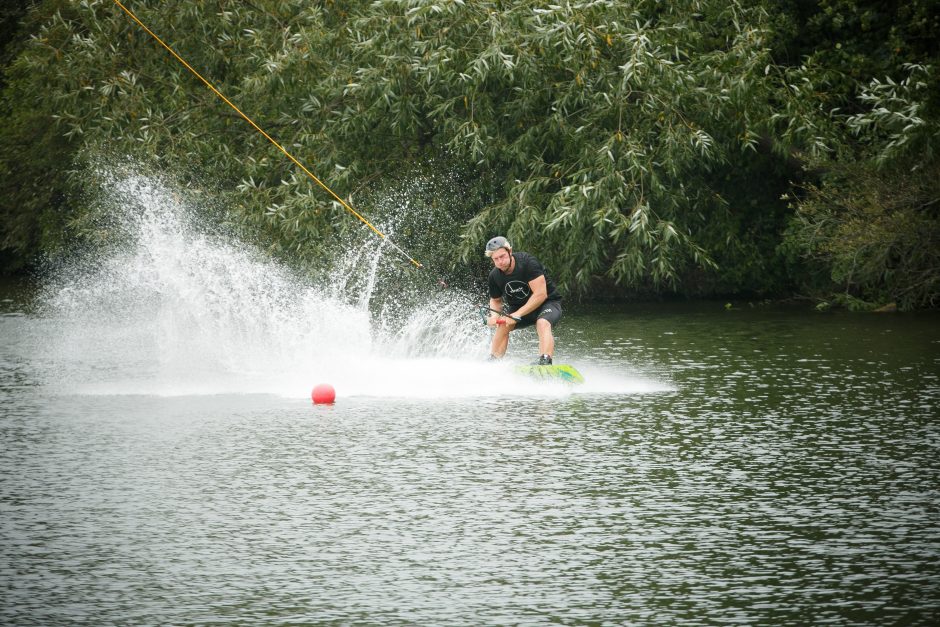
[[162, 462]]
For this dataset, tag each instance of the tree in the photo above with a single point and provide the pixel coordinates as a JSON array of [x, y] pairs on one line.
[[869, 100], [872, 225], [604, 121], [633, 145], [32, 203]]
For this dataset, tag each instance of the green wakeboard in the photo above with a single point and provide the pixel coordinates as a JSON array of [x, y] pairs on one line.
[[557, 372]]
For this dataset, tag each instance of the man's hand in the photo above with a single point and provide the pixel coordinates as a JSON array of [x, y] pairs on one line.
[[498, 320]]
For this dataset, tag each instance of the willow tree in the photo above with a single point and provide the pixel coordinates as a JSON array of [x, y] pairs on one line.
[[604, 122], [592, 133], [102, 86]]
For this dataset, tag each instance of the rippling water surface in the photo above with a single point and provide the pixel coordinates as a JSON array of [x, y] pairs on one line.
[[161, 462], [759, 467]]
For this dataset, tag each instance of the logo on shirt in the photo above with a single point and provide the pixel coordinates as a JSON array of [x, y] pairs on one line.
[[517, 290]]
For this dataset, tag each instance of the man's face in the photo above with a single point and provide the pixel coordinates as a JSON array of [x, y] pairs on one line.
[[502, 259]]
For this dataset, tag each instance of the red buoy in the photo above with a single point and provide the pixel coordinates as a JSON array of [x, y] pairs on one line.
[[323, 394]]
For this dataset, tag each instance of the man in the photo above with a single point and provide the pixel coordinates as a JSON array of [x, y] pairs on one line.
[[519, 287]]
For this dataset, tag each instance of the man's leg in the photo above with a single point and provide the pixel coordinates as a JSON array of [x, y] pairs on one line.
[[501, 339], [546, 338], [548, 317]]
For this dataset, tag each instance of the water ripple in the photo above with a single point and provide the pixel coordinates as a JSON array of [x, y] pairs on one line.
[[788, 476]]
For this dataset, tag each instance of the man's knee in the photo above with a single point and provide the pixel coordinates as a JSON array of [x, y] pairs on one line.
[[543, 325]]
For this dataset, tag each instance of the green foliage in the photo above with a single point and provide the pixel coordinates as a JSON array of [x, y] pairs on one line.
[[897, 122], [34, 156], [633, 145], [828, 52], [868, 230], [600, 117], [602, 121], [875, 233]]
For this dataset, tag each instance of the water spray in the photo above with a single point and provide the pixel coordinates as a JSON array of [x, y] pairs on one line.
[[280, 147]]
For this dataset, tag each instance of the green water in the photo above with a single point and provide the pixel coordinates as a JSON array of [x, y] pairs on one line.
[[784, 472]]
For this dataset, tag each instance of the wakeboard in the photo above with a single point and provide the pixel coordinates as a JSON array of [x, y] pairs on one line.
[[556, 372]]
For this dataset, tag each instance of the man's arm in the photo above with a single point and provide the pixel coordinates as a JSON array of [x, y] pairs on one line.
[[496, 304], [539, 294]]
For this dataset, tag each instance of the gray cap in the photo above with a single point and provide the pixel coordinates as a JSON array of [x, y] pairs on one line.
[[495, 244]]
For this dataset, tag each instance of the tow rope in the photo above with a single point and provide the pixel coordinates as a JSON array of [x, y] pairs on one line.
[[268, 137]]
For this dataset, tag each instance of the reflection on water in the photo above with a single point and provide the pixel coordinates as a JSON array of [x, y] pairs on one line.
[[786, 474]]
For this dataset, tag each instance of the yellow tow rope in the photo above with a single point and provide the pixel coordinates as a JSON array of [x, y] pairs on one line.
[[268, 137]]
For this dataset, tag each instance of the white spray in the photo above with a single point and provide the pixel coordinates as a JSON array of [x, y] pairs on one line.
[[180, 311]]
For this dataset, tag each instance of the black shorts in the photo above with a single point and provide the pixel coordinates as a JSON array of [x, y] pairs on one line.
[[550, 310]]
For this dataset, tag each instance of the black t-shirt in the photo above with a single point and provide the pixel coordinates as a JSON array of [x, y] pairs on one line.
[[514, 288]]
